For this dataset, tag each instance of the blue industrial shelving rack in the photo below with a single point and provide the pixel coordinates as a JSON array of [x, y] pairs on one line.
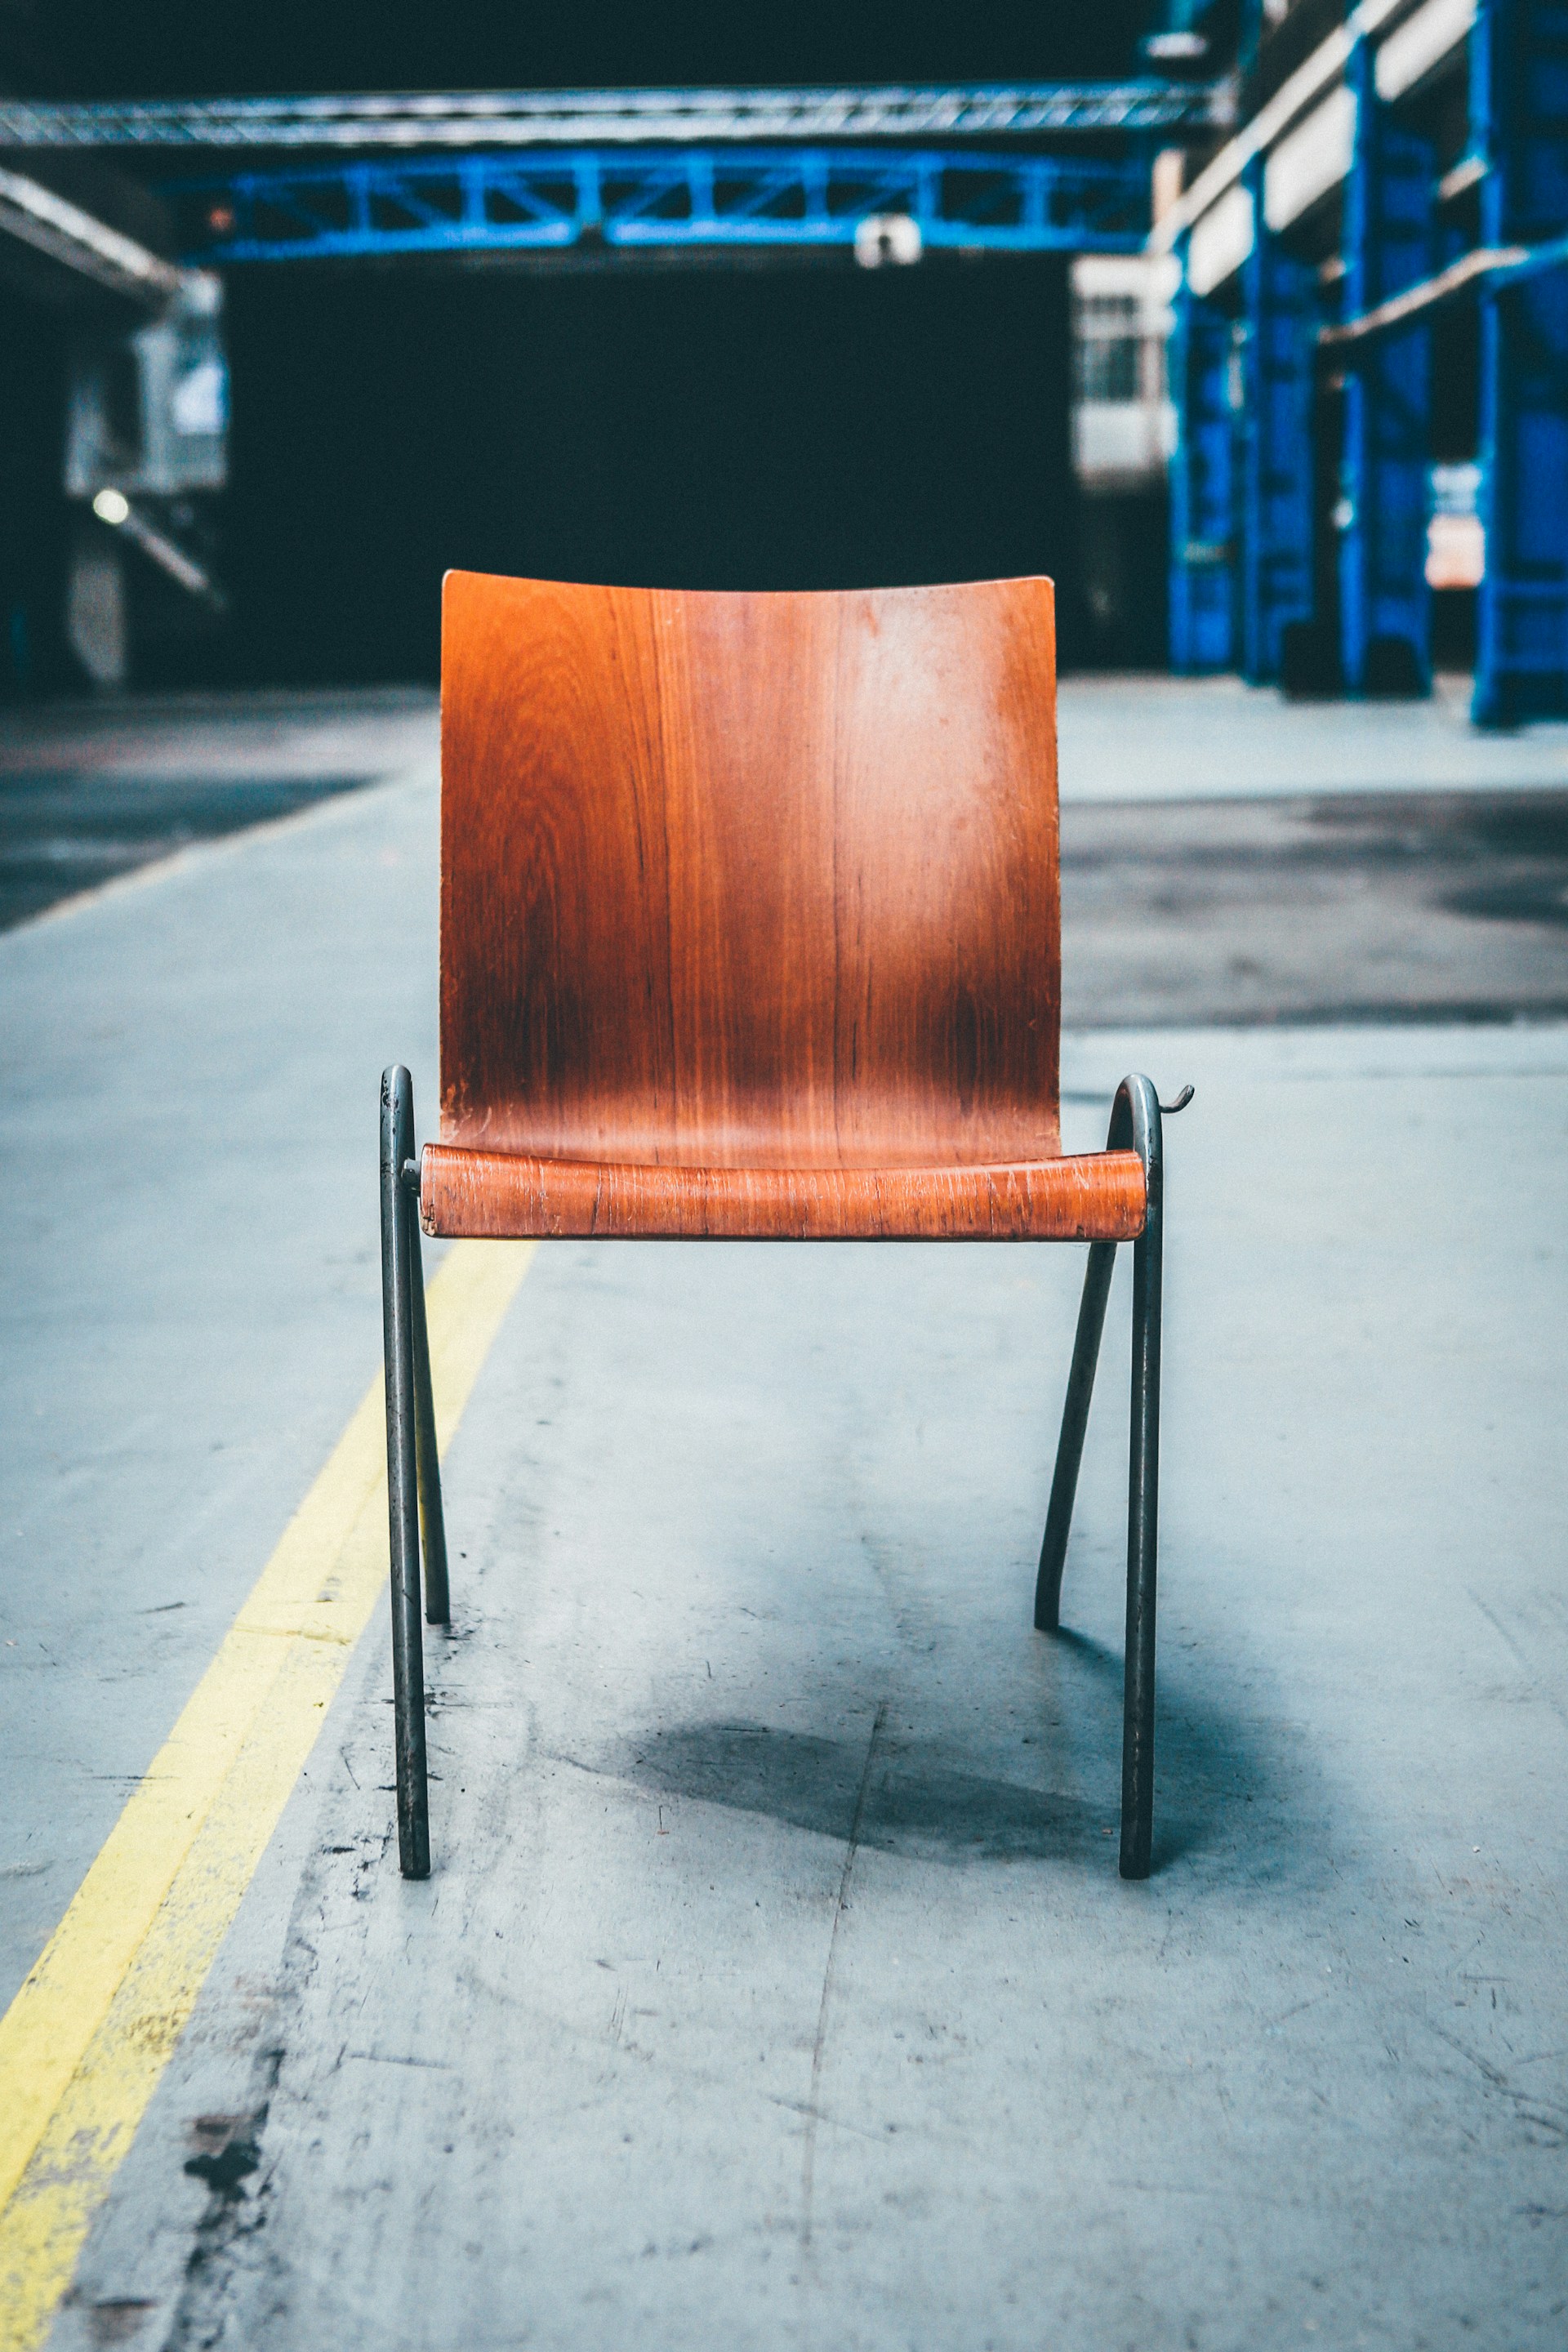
[[1242, 376]]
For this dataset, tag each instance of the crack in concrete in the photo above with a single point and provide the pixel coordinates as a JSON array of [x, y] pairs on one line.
[[818, 2049]]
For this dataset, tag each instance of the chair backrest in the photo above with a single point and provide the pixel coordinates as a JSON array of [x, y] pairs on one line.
[[736, 880]]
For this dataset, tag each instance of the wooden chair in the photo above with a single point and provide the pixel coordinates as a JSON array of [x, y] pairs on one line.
[[750, 929]]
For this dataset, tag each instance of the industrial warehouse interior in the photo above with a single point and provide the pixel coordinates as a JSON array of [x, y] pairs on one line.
[[939, 639]]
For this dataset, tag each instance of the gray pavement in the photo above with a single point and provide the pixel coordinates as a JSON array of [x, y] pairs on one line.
[[1145, 737], [1225, 855], [188, 1072], [775, 1986], [1341, 907], [94, 791]]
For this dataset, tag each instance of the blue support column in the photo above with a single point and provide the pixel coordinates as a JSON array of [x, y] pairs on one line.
[[1385, 606], [1280, 311], [1520, 110], [1202, 589]]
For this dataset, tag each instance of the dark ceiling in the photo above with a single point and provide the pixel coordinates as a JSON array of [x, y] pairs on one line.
[[87, 48]]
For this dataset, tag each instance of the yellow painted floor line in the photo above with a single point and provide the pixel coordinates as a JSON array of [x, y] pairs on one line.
[[87, 2038]]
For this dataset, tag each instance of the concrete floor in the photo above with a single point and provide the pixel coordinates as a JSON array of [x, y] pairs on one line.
[[91, 792], [1341, 907], [1179, 739], [186, 1326], [1229, 856], [1226, 856], [775, 1986]]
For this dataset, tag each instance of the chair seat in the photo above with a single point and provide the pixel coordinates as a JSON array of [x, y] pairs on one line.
[[1097, 1196]]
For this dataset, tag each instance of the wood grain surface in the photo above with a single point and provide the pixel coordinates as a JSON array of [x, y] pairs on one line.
[[1095, 1197], [759, 885]]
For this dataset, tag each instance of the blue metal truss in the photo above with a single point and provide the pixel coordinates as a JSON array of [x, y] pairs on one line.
[[638, 199], [1519, 124], [1202, 589], [1390, 244]]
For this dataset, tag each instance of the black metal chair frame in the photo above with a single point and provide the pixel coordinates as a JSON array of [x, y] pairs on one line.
[[414, 1476]]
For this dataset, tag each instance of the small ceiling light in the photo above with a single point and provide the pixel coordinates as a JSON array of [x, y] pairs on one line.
[[111, 507], [885, 237], [1175, 48]]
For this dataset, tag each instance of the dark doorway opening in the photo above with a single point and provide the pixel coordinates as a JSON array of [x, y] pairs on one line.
[[807, 426]]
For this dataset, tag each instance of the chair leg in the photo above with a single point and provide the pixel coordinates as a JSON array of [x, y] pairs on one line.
[[1142, 1530], [399, 1240], [432, 1517], [1069, 1445], [1135, 1124]]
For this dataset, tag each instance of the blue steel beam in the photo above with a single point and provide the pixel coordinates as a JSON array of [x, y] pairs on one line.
[[1385, 605], [1520, 125], [1203, 580], [640, 199], [1280, 314]]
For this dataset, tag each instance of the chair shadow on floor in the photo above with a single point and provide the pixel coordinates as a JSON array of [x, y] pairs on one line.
[[916, 1795], [916, 1799]]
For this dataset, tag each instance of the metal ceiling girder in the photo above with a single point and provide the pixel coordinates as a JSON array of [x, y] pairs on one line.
[[618, 116], [78, 241], [631, 199]]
